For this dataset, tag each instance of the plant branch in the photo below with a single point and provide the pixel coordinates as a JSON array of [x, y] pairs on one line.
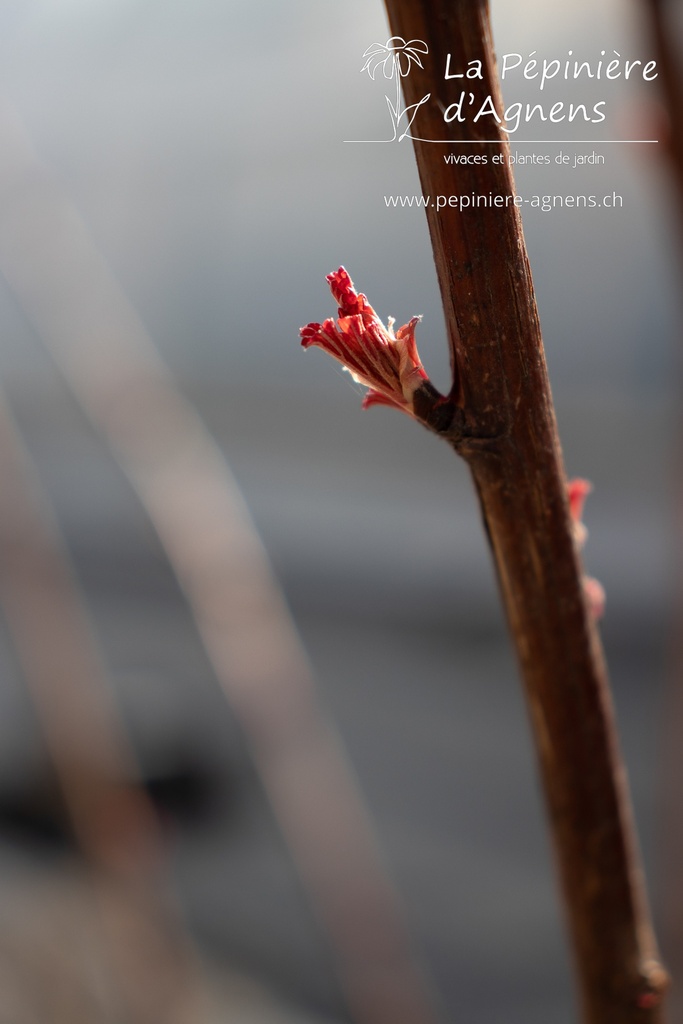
[[504, 426]]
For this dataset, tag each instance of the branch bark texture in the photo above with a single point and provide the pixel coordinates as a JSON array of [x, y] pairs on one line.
[[503, 424]]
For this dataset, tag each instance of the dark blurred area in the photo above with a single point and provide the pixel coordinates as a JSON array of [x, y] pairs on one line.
[[202, 149]]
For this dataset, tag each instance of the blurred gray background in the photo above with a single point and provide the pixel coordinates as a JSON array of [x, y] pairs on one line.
[[203, 146]]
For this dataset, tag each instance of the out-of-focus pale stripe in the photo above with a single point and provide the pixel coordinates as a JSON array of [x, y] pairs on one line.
[[85, 320]]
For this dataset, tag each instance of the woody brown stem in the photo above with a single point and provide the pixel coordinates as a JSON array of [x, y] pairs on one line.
[[504, 426]]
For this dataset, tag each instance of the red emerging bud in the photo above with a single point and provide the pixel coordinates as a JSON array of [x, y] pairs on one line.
[[386, 363], [346, 296], [577, 492]]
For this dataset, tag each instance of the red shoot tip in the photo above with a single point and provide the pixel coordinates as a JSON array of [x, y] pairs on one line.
[[386, 363], [577, 492]]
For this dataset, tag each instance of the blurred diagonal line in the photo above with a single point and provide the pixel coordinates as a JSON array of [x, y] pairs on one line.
[[662, 27], [112, 819], [665, 37], [181, 478]]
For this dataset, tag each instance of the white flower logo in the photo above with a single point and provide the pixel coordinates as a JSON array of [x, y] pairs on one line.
[[396, 58]]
